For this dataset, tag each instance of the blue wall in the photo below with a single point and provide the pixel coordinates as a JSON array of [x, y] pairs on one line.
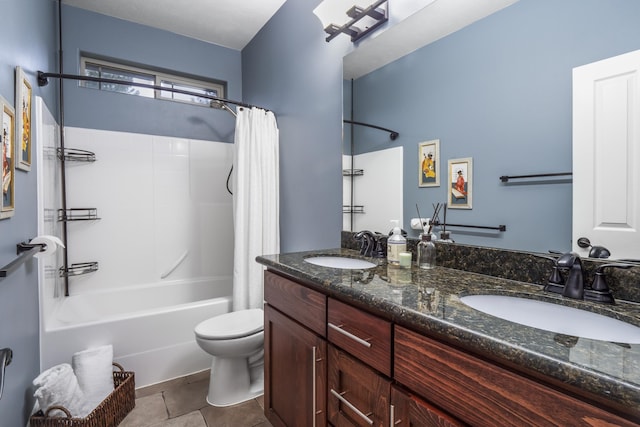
[[498, 91], [28, 40], [92, 33], [290, 69]]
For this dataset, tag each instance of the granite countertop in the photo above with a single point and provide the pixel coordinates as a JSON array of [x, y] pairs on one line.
[[429, 301]]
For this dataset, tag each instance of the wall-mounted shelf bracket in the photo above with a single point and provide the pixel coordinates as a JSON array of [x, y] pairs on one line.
[[78, 214], [352, 172], [352, 209], [76, 155], [78, 269]]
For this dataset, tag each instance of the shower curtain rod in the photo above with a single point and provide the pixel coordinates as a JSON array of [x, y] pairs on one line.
[[43, 80], [392, 134]]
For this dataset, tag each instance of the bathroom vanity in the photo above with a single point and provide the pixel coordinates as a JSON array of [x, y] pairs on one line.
[[386, 346]]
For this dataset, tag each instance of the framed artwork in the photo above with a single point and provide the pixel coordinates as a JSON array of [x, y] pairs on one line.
[[7, 137], [23, 121], [429, 163], [460, 183]]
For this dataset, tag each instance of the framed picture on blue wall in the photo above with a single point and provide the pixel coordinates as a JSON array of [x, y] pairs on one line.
[[7, 135], [24, 93], [460, 183], [429, 163]]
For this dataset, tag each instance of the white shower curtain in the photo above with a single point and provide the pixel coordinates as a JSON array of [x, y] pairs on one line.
[[255, 202]]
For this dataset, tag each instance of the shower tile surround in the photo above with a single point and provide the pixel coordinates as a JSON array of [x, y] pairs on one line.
[[161, 217], [161, 221], [599, 370]]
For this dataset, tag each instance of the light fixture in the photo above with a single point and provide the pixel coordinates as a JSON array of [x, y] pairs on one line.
[[368, 19]]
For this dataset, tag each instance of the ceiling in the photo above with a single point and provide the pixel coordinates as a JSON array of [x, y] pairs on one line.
[[233, 23], [228, 23], [435, 20]]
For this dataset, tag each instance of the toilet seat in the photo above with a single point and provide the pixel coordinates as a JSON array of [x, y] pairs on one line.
[[236, 324]]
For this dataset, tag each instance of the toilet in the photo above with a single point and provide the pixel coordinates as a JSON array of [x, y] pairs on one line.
[[236, 342]]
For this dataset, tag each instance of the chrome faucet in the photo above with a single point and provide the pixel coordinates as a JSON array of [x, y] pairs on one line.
[[574, 286]]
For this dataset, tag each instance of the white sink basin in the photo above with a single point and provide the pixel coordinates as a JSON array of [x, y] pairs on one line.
[[340, 262], [555, 318]]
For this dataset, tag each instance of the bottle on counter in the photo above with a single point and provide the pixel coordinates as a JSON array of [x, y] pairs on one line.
[[396, 243], [426, 252]]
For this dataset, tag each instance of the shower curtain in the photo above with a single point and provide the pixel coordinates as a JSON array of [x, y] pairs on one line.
[[255, 202]]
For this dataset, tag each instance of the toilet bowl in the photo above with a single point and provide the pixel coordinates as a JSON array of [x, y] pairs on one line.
[[236, 342]]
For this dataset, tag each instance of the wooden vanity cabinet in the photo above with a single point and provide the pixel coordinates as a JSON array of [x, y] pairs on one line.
[[480, 393], [365, 336], [407, 410], [304, 305], [358, 395], [295, 354], [329, 363], [359, 366]]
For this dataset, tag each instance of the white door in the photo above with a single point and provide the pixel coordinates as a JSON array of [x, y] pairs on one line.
[[606, 155]]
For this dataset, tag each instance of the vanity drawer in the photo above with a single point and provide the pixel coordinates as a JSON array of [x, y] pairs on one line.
[[361, 334], [305, 305], [358, 396], [475, 390]]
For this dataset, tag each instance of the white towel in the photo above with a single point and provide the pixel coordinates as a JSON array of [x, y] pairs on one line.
[[94, 369], [58, 386]]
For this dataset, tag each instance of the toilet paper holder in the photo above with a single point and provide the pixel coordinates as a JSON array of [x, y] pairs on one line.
[[24, 247], [24, 252]]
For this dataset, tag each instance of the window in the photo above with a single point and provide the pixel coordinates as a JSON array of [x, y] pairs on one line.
[[129, 74], [191, 86]]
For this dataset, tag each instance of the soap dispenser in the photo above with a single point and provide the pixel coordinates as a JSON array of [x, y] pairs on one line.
[[396, 243]]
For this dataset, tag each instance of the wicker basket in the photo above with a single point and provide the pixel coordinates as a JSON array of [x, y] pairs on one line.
[[109, 413]]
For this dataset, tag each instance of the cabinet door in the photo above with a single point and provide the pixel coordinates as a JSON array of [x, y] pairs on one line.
[[410, 411], [358, 395], [295, 373]]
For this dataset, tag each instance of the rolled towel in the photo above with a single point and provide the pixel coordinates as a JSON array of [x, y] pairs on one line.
[[94, 369], [58, 386]]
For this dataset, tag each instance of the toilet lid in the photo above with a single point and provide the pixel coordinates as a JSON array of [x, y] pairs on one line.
[[236, 324]]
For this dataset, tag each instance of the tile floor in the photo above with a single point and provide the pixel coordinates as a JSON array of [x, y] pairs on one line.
[[182, 403]]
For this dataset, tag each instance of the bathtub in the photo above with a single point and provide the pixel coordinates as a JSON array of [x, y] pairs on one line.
[[149, 326]]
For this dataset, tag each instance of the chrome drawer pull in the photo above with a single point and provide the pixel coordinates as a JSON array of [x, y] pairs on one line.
[[350, 335], [392, 416], [353, 408], [313, 381]]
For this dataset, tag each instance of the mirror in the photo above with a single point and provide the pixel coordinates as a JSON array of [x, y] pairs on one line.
[[498, 91], [373, 180]]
